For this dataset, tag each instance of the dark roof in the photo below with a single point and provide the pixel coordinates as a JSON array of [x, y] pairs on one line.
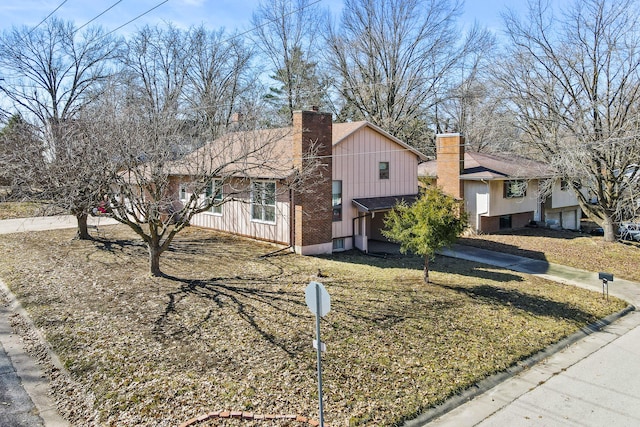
[[375, 204], [479, 166]]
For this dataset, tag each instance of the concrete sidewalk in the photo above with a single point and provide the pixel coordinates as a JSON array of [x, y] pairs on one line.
[[42, 223], [591, 382]]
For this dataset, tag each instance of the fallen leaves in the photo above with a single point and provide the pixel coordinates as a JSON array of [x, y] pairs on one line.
[[230, 330]]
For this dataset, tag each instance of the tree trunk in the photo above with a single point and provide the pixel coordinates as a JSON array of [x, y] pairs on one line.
[[426, 269], [83, 231], [609, 230], [154, 258]]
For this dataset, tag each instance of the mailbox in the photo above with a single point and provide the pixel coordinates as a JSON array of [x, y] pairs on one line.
[[605, 276]]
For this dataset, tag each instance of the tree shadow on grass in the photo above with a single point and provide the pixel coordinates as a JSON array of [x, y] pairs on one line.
[[440, 264], [526, 302], [449, 265], [121, 247], [247, 296]]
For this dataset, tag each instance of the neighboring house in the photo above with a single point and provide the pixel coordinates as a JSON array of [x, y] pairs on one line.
[[364, 172], [500, 191]]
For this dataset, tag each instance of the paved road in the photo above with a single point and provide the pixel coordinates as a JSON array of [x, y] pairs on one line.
[[592, 382], [16, 407]]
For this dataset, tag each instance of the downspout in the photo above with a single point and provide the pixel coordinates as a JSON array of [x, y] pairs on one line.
[[292, 221]]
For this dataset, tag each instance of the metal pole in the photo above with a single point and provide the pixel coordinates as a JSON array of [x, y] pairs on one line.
[[318, 311]]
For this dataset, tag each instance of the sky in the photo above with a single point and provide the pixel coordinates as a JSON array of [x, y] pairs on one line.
[[231, 15]]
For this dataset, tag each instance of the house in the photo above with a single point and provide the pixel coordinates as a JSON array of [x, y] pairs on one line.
[[501, 191], [362, 172]]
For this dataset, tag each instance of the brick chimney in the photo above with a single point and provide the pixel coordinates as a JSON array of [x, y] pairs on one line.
[[313, 212], [450, 163]]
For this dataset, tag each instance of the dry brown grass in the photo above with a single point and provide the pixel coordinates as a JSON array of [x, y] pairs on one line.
[[569, 248], [10, 210], [230, 329]]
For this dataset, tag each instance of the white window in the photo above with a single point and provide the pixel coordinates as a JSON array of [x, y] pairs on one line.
[[338, 244], [515, 189], [263, 201], [183, 192], [383, 168], [215, 191], [336, 200]]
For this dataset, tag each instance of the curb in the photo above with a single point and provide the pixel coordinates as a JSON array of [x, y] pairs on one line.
[[488, 383], [38, 387]]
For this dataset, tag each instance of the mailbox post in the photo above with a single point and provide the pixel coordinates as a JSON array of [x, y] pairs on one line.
[[606, 278]]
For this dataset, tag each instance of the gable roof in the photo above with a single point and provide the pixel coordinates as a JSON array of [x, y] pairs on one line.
[[482, 166], [342, 130], [265, 153]]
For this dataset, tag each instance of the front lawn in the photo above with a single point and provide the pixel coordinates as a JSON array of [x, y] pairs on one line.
[[230, 330], [570, 248]]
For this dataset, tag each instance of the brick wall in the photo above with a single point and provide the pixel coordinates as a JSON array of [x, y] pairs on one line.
[[313, 213], [450, 163], [491, 224]]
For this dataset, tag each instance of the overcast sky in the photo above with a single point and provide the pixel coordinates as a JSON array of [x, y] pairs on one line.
[[230, 14]]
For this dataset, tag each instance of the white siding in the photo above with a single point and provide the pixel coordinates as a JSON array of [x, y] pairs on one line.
[[504, 206], [236, 219], [477, 201], [562, 198]]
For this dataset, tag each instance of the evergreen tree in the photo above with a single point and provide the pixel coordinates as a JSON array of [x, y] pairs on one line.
[[435, 220]]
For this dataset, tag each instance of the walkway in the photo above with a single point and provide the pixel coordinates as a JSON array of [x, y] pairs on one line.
[[592, 382], [42, 223]]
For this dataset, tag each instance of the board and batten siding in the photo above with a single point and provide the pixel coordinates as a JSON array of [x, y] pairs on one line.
[[236, 219], [356, 163]]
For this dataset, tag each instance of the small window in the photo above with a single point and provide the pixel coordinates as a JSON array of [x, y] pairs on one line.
[[215, 191], [515, 189], [384, 170], [564, 185], [183, 192], [263, 201], [505, 222], [336, 200], [338, 244]]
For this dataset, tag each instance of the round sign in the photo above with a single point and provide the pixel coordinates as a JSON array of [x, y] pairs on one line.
[[317, 299]]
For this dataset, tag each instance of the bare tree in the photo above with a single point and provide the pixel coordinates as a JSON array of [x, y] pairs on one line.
[[396, 60], [159, 147], [156, 191], [287, 34], [475, 106], [53, 73], [574, 78], [218, 76]]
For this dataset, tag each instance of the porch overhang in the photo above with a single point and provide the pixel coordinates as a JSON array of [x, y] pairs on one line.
[[381, 204]]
